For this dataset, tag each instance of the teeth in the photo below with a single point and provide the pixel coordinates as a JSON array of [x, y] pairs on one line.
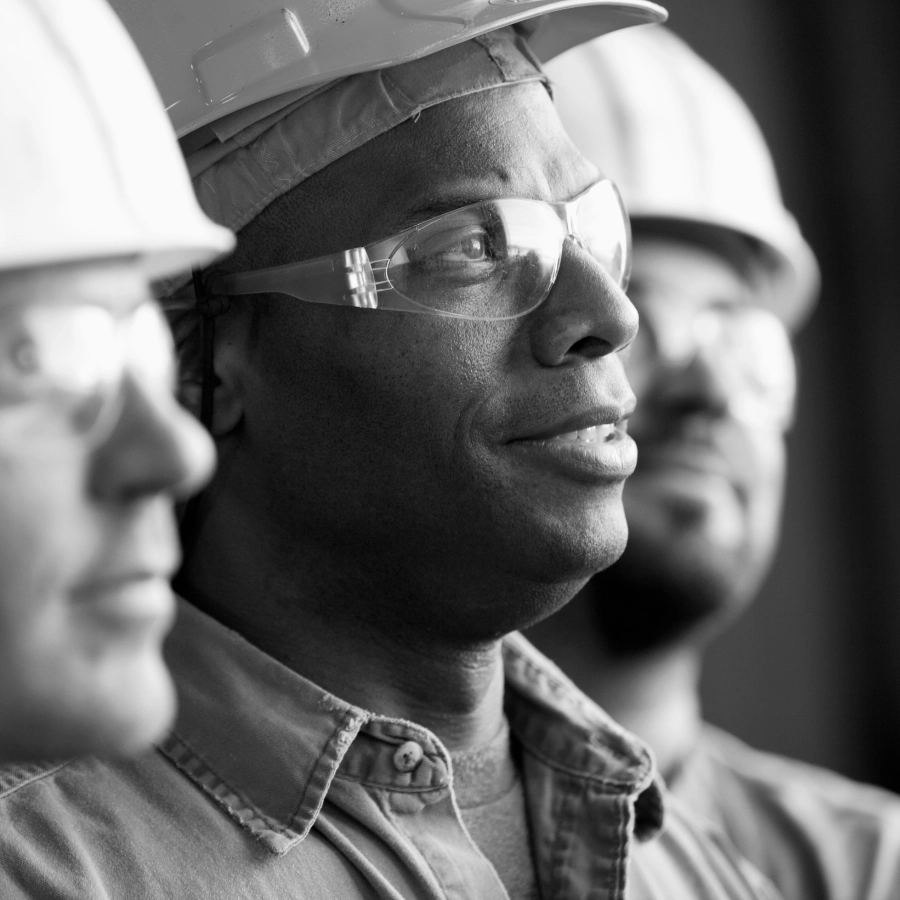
[[597, 433]]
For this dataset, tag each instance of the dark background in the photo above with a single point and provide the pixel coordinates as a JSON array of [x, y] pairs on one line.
[[813, 670]]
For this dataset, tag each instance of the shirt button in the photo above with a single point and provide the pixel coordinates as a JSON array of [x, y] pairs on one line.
[[408, 756]]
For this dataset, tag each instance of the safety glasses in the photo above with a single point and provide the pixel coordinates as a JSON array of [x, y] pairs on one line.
[[493, 260], [747, 346], [62, 369]]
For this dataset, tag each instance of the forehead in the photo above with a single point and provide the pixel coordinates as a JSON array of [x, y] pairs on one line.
[[505, 141], [502, 142]]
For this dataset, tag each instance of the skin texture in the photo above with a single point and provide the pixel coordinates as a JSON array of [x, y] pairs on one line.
[[87, 545], [373, 524], [703, 510]]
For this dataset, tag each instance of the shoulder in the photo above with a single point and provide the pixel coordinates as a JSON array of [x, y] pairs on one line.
[[57, 823], [800, 783], [89, 828], [811, 831]]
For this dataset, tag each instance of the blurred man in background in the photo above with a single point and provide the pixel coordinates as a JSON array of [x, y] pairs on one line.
[[721, 277], [94, 202]]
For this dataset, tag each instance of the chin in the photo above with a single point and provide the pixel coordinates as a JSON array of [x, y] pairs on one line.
[[679, 584], [137, 709], [100, 705], [574, 543]]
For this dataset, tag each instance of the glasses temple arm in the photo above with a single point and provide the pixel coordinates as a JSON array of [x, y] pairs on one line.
[[345, 279]]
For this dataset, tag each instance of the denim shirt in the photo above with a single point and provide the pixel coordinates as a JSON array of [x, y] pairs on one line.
[[270, 788]]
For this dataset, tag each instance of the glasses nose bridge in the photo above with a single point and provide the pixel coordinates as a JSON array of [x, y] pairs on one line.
[[568, 215]]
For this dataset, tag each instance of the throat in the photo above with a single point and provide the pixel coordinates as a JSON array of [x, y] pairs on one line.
[[657, 699]]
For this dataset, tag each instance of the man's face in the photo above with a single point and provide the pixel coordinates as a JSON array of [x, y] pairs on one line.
[[88, 539], [704, 502], [423, 453]]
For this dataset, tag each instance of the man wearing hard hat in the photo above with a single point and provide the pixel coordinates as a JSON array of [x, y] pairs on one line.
[[721, 278], [94, 202], [414, 383]]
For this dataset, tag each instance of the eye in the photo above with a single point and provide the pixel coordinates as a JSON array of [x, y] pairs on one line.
[[458, 246], [21, 361], [23, 357], [473, 247]]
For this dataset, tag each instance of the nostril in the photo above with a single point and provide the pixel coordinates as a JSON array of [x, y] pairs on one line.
[[590, 347]]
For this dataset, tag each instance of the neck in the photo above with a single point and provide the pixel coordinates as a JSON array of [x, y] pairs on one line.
[[346, 624], [654, 695]]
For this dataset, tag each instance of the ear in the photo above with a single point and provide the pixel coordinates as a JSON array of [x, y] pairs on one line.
[[229, 363]]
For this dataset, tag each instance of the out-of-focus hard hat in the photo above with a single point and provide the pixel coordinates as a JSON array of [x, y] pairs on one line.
[[214, 57], [682, 146], [89, 167]]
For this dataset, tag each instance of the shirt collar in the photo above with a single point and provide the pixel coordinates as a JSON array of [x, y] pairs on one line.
[[265, 743]]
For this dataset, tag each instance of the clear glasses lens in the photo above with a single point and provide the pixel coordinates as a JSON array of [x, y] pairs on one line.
[[603, 227], [756, 347], [492, 260], [748, 347], [499, 259], [61, 369]]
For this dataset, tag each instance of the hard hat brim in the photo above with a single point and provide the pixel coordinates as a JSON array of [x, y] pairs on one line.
[[156, 259], [795, 275]]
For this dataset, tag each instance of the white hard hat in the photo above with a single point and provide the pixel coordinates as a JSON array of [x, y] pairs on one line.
[[89, 167], [682, 147], [214, 57]]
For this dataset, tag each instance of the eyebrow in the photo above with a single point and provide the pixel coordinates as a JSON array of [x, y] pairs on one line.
[[432, 207]]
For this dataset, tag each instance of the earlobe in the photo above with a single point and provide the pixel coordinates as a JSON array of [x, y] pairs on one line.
[[228, 409], [227, 400]]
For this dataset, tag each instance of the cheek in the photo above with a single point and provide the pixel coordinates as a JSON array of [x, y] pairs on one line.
[[48, 534], [769, 456], [379, 383]]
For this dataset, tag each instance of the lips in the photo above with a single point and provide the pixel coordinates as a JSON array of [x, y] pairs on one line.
[[136, 601], [589, 447]]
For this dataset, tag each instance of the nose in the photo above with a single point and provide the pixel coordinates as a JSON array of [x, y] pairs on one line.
[[586, 315], [666, 373], [156, 447]]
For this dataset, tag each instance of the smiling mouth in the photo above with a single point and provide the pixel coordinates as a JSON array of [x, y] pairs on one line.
[[598, 454], [597, 434]]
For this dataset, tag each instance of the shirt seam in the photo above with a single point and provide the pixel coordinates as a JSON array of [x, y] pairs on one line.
[[37, 776], [616, 788], [351, 721]]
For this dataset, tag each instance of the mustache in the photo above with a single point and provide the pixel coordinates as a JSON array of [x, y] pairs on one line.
[[702, 442], [695, 428]]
